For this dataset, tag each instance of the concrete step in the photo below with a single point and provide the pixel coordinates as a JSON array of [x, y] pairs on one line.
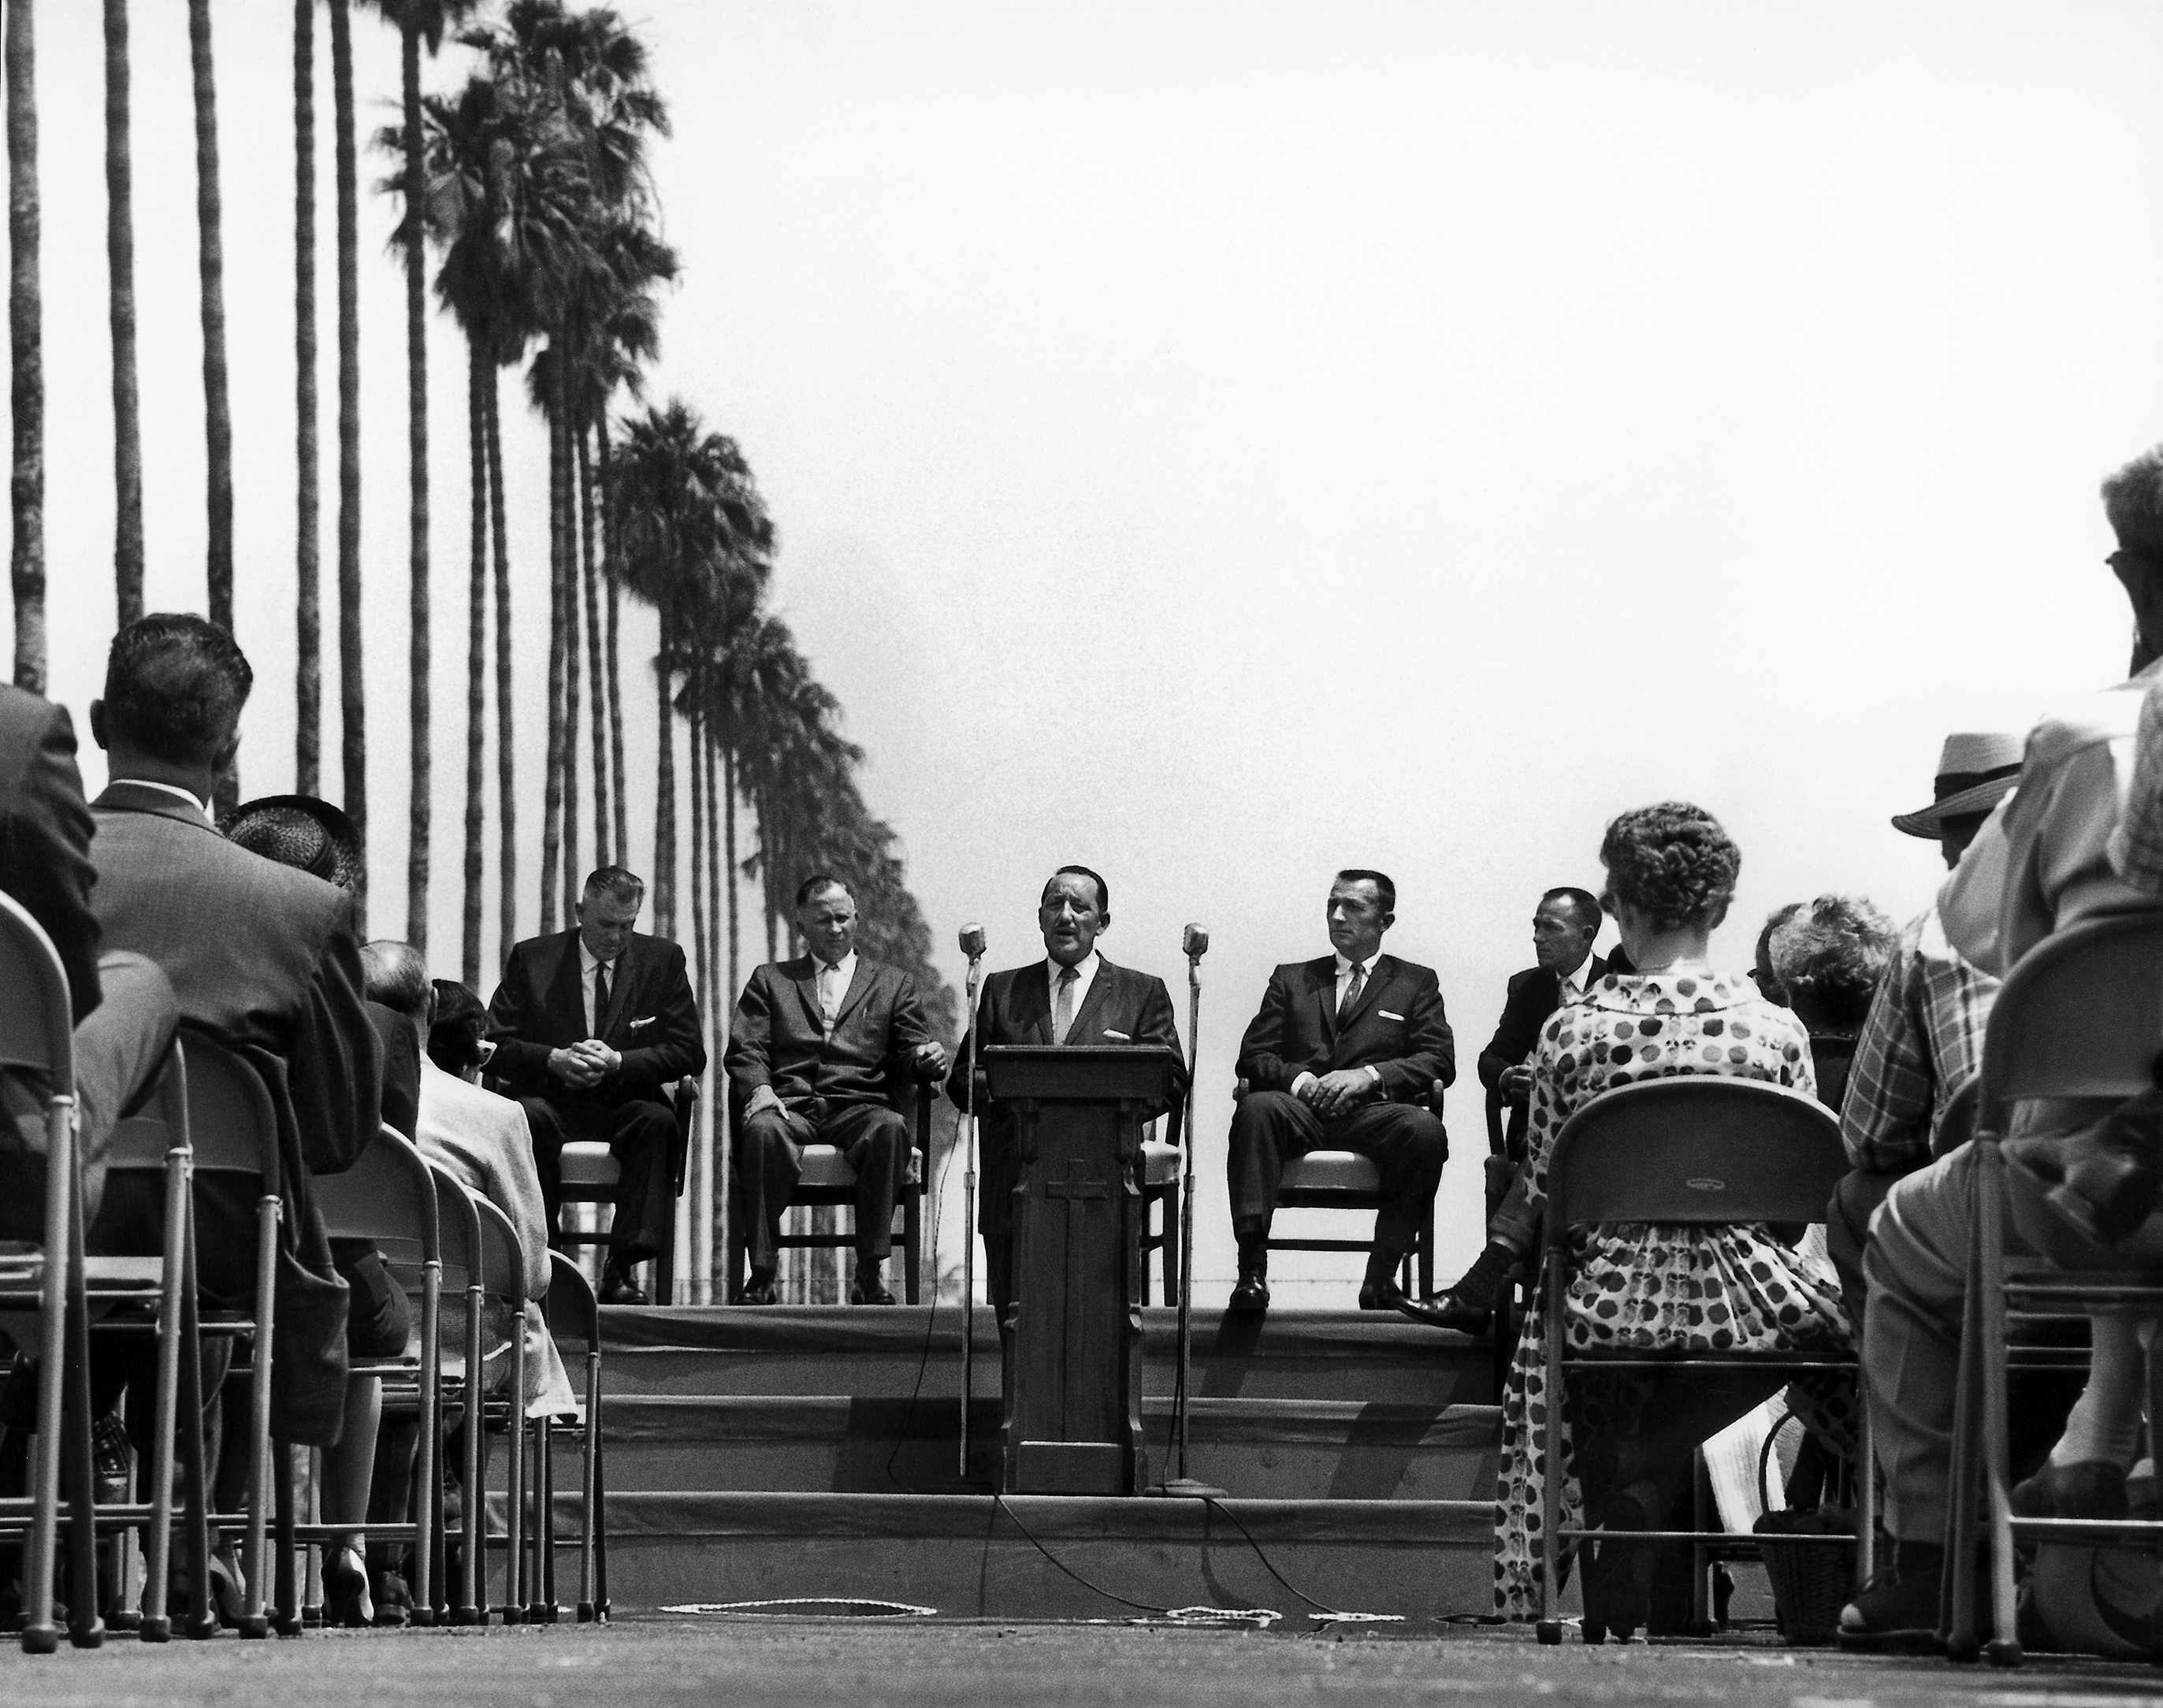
[[968, 1556], [1298, 1449], [916, 1350]]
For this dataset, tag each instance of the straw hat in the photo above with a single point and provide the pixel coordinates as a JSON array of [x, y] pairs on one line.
[[1975, 773], [299, 831]]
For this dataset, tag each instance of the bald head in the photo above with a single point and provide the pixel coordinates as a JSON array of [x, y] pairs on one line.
[[398, 978]]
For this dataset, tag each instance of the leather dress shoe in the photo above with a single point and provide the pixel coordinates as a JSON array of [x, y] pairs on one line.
[[759, 1290], [1442, 1310], [618, 1289], [1382, 1296], [1250, 1297], [2090, 1488], [871, 1291]]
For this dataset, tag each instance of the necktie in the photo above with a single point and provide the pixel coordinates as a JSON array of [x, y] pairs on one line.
[[830, 995], [1062, 1010], [600, 996], [1352, 987]]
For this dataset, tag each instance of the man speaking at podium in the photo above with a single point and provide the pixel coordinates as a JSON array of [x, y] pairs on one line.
[[1343, 1053], [1073, 996], [590, 1024]]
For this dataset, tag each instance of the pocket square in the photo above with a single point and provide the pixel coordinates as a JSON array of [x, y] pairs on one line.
[[647, 1021], [1386, 1015], [1120, 1035]]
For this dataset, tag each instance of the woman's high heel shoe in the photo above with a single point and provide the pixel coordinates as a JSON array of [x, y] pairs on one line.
[[1618, 1582], [345, 1591]]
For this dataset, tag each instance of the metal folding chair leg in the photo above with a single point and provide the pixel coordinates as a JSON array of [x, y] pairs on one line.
[[39, 1634], [1989, 1305], [85, 1628], [517, 1592]]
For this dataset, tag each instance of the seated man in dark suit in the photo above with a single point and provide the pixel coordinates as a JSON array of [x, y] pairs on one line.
[[1073, 996], [589, 1025], [814, 1045], [1342, 1055]]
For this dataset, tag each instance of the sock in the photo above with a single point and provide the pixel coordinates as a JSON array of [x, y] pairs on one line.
[[1254, 1250], [1477, 1286], [2105, 1424]]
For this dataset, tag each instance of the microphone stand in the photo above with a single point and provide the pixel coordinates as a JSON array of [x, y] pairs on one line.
[[969, 1223], [1183, 1486]]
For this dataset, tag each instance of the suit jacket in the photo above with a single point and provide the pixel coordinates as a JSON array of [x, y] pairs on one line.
[[45, 828], [778, 1038], [652, 1021], [1398, 1029], [261, 955], [1122, 1007], [1533, 995]]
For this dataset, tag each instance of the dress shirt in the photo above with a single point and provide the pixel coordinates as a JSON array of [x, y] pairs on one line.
[[177, 792], [1921, 1044], [832, 983], [1345, 969], [1085, 976], [587, 965], [2136, 846], [1571, 984]]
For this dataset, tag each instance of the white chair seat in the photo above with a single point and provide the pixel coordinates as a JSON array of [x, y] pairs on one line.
[[1159, 1163], [823, 1165], [584, 1162], [1339, 1171]]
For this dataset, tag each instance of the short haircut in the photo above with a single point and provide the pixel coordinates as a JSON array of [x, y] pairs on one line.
[[1829, 956], [1103, 888], [818, 881], [174, 683], [1583, 902], [2133, 500], [1673, 863], [621, 886], [1383, 887], [456, 1034], [397, 977], [1768, 981]]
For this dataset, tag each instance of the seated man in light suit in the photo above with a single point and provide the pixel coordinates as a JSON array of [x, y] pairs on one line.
[[812, 1045], [1073, 996], [1343, 1052]]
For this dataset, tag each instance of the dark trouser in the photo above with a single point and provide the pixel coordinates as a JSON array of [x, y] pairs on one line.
[[998, 1173], [1406, 1144], [643, 1134], [873, 1137]]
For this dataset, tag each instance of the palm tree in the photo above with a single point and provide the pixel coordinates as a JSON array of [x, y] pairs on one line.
[[25, 343], [218, 407], [353, 710], [120, 271], [307, 666], [417, 21]]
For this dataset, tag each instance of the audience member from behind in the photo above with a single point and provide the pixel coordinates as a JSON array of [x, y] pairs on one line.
[[1671, 873], [2077, 1183], [266, 958], [123, 1007], [1827, 955], [457, 1037]]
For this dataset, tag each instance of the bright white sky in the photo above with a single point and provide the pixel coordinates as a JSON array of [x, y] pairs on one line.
[[1220, 443]]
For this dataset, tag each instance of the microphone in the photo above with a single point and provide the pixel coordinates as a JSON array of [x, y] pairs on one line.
[[972, 941], [1194, 942]]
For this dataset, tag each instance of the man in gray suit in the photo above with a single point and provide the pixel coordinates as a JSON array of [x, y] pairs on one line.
[[263, 956]]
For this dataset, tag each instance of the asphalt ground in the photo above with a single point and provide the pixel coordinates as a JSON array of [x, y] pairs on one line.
[[649, 1661]]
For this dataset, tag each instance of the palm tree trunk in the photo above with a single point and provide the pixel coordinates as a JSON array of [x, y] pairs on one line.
[[25, 343], [561, 467], [218, 407], [353, 700], [698, 1185], [120, 274], [768, 854], [506, 769], [480, 370], [664, 786], [617, 774], [307, 608], [552, 786], [717, 1148], [729, 862], [590, 575], [416, 466]]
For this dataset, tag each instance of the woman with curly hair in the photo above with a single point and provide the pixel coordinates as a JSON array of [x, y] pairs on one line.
[[1827, 957], [1625, 1440]]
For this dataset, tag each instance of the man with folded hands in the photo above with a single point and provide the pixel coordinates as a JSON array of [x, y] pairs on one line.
[[1342, 1056], [813, 1049]]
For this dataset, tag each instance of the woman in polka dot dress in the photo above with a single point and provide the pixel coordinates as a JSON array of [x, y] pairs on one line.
[[1671, 872]]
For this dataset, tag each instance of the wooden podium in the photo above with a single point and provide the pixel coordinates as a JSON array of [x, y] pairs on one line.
[[1072, 1346]]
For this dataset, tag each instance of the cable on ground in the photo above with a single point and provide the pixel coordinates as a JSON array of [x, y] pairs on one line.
[[806, 1607], [1319, 1612]]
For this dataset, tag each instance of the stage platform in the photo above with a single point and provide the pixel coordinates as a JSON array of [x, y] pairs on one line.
[[758, 1454]]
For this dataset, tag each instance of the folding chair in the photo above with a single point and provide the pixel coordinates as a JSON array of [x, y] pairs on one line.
[[2079, 1017], [387, 1197], [587, 1172], [828, 1180], [1698, 1150], [503, 1285], [1158, 1162], [1345, 1180], [573, 1313]]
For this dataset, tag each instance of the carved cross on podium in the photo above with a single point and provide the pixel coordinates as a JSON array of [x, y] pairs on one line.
[[1076, 1193]]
